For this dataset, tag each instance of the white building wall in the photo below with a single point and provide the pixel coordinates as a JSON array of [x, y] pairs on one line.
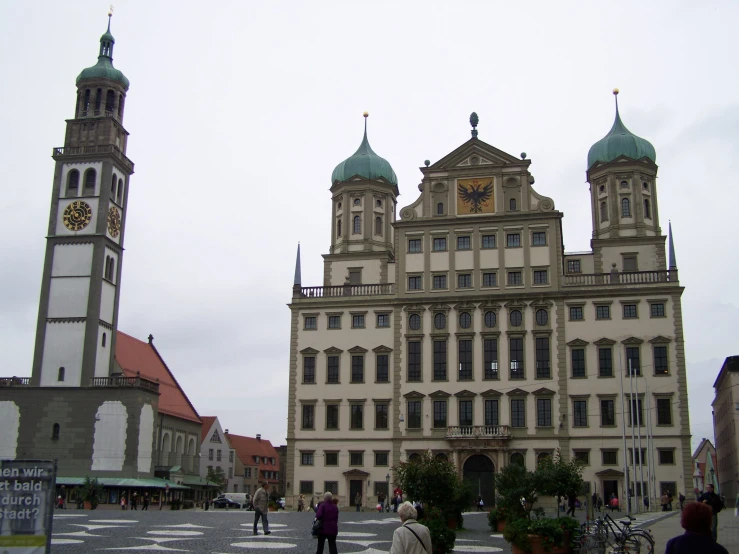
[[146, 434], [107, 302], [109, 442], [10, 415], [63, 347], [68, 297], [102, 354], [72, 260]]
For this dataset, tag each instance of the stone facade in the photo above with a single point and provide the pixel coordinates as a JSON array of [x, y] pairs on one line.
[[725, 423]]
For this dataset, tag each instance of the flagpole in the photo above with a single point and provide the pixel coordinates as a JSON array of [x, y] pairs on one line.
[[641, 461], [634, 421], [623, 433]]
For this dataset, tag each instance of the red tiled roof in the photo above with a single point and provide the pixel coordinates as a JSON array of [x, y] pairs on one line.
[[207, 424], [135, 356], [248, 447]]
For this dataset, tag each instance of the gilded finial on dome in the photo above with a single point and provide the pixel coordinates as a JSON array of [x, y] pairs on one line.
[[615, 92], [366, 115]]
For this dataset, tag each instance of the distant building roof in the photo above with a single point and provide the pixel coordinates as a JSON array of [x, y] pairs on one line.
[[208, 422], [135, 356], [247, 448]]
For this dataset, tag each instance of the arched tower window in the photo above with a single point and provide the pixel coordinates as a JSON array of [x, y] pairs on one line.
[[77, 107], [109, 102], [625, 207], [120, 105], [60, 374], [604, 211], [338, 228], [86, 104], [73, 183], [357, 225], [517, 458], [512, 205], [90, 181], [378, 226], [112, 186], [104, 339], [98, 100], [647, 209], [120, 191], [440, 208], [55, 430]]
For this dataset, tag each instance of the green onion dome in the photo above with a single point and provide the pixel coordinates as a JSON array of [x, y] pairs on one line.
[[104, 68], [364, 163]]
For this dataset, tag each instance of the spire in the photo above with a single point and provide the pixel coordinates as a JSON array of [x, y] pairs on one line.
[[297, 268], [671, 245]]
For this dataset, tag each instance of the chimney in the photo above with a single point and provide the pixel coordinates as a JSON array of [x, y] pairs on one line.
[[226, 431], [259, 437]]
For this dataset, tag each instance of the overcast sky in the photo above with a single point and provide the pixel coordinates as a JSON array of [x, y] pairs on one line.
[[239, 111]]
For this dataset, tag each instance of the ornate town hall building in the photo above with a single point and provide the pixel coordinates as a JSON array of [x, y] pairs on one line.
[[465, 329]]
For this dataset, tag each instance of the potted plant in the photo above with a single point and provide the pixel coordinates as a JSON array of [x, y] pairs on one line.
[[91, 493], [497, 518], [272, 506], [516, 532], [442, 537]]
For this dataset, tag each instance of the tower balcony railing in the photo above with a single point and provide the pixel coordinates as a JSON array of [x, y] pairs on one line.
[[615, 278], [65, 152], [122, 381], [478, 432], [15, 381], [343, 291]]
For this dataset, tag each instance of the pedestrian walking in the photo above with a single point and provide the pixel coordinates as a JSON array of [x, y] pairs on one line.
[[145, 502], [480, 504], [681, 500], [697, 520], [261, 508], [312, 505], [712, 499], [358, 501], [123, 502], [328, 515], [301, 503], [571, 504], [411, 537], [134, 501]]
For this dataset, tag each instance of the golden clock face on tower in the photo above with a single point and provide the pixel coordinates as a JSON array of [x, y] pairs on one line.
[[77, 215], [114, 222]]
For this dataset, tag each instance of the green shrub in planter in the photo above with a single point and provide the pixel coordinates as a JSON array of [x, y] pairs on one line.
[[549, 530], [442, 538], [516, 532], [498, 514]]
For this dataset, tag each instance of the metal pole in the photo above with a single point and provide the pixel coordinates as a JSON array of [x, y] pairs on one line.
[[650, 446], [633, 417], [641, 462], [623, 432]]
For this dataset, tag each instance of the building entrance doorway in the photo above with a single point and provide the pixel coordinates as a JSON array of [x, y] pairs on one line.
[[479, 472], [609, 488], [355, 486]]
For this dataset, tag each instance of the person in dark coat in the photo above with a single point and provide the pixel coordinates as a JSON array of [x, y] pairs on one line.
[[696, 519], [328, 513]]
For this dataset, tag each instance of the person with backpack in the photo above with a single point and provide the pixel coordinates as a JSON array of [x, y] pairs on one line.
[[714, 501]]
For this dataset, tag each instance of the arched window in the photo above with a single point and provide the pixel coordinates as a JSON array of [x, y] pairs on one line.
[[647, 209], [112, 186], [517, 458], [378, 226], [110, 269], [73, 183], [512, 204], [120, 191], [104, 340], [442, 456], [90, 176], [379, 203], [120, 105], [357, 202], [625, 207], [55, 432], [541, 457], [98, 100], [60, 374], [414, 458], [604, 211], [338, 228], [440, 208], [77, 106], [109, 101], [357, 225]]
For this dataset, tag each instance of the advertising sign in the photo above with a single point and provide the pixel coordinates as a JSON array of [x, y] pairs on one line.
[[27, 489]]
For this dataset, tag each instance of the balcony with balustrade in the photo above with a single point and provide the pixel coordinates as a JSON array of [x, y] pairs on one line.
[[343, 291], [663, 277], [79, 153], [478, 436]]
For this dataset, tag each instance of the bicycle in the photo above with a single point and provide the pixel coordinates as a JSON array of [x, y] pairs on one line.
[[606, 532]]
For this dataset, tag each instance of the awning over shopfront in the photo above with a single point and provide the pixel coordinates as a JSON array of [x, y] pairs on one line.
[[153, 483], [197, 481]]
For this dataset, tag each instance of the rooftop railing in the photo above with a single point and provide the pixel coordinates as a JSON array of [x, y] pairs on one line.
[[64, 152], [121, 381], [15, 381], [620, 278], [344, 291], [478, 432]]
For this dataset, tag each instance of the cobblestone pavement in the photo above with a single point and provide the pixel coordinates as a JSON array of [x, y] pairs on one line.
[[230, 532], [728, 531]]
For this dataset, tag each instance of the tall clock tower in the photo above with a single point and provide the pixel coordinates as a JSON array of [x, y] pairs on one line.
[[80, 288]]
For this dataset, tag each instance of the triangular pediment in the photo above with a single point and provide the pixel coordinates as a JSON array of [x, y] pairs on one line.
[[517, 392], [464, 394], [358, 350], [577, 342], [543, 392], [632, 340], [333, 350], [604, 342], [485, 154], [413, 394], [659, 340], [309, 351], [440, 394], [491, 392], [382, 349]]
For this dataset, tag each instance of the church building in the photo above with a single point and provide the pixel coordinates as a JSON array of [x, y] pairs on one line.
[[462, 327]]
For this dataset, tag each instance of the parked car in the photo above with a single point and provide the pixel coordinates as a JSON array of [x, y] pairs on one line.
[[223, 502]]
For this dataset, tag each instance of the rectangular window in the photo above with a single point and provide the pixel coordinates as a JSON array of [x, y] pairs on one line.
[[515, 278], [635, 410], [632, 360], [439, 244], [607, 413], [543, 412], [334, 322], [657, 310], [602, 312], [357, 369], [383, 320], [489, 279], [381, 458], [308, 416], [414, 414], [638, 456], [610, 457], [210, 454], [605, 362], [382, 374], [488, 241], [629, 311], [576, 313], [414, 361], [414, 282], [464, 280], [381, 487], [381, 413], [539, 238], [331, 486], [660, 361], [491, 411], [465, 359], [573, 266], [439, 360], [306, 458], [357, 416], [518, 412], [630, 263], [332, 416], [490, 353], [331, 459], [311, 322], [414, 245], [580, 413], [439, 414], [664, 411], [358, 321], [583, 456], [309, 369], [332, 369], [439, 282], [541, 277], [356, 458], [578, 362], [306, 487], [513, 240], [666, 456], [463, 243], [516, 357], [543, 367], [465, 413]]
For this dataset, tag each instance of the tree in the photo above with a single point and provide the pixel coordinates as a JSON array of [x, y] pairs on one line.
[[559, 478], [217, 477], [430, 480], [517, 490]]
